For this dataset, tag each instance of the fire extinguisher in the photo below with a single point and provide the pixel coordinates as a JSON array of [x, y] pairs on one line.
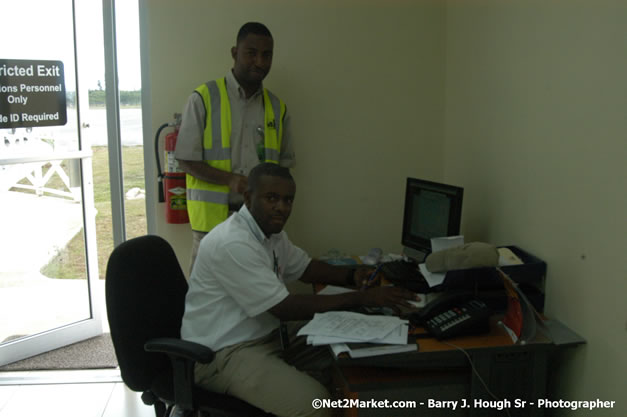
[[172, 189]]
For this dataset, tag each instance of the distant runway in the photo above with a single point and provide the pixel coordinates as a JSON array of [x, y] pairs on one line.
[[130, 127], [66, 137]]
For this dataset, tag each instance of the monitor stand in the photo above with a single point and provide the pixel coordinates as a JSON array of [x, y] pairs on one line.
[[415, 255]]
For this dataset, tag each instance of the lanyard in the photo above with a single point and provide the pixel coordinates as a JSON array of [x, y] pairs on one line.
[[275, 266], [285, 341]]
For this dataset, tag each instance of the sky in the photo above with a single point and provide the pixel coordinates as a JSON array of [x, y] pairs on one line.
[[42, 30]]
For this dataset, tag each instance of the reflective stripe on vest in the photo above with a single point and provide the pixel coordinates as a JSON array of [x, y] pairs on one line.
[[273, 132], [207, 204]]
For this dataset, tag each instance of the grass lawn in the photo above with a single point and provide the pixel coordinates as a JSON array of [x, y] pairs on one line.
[[70, 261]]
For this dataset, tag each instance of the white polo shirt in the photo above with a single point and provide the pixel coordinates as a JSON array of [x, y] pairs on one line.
[[233, 283]]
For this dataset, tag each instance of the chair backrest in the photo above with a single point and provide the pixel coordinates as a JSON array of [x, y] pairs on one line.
[[145, 296]]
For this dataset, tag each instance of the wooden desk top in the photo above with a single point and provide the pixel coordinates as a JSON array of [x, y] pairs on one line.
[[434, 354], [435, 361], [496, 337]]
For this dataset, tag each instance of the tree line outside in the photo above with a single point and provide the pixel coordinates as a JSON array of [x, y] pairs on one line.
[[97, 98], [127, 98]]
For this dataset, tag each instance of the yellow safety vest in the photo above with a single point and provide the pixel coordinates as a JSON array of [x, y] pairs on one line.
[[207, 204]]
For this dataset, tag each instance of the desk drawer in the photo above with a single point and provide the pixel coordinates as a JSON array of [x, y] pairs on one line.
[[381, 385]]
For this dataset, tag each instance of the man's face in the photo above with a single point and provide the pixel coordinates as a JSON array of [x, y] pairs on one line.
[[271, 203], [253, 58]]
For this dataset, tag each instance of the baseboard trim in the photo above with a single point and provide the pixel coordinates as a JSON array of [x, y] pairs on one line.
[[86, 376]]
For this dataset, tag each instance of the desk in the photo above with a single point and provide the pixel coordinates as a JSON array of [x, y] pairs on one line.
[[438, 371]]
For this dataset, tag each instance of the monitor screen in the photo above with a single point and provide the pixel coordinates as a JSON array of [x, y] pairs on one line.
[[431, 210]]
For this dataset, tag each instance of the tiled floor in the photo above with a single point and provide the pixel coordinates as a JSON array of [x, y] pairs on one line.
[[88, 393]]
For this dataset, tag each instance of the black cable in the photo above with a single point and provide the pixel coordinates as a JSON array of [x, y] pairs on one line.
[[474, 370]]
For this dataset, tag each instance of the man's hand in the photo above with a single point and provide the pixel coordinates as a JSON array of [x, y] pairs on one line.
[[201, 170], [392, 297], [238, 183]]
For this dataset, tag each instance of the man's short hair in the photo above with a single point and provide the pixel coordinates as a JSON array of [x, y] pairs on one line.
[[267, 168], [255, 28]]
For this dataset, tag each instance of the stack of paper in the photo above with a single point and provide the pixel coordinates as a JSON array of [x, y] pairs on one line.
[[342, 328], [361, 350]]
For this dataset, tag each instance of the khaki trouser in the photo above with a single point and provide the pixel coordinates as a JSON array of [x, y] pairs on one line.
[[262, 374], [196, 238]]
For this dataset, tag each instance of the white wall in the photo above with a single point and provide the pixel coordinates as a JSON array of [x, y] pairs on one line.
[[364, 83], [536, 132], [521, 102]]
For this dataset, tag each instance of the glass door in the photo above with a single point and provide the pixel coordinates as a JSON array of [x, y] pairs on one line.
[[50, 293]]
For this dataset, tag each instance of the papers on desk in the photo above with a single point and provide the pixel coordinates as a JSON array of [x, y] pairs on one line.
[[332, 289], [352, 326], [383, 334], [363, 350], [432, 278], [438, 244], [398, 336], [447, 242]]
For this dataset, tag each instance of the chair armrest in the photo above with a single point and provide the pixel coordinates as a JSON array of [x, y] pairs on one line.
[[180, 348], [183, 355]]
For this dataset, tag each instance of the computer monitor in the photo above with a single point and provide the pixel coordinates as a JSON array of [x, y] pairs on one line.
[[431, 210]]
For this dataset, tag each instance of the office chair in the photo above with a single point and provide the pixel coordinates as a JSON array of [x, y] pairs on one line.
[[145, 296]]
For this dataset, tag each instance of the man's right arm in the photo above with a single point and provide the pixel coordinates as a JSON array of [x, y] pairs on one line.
[[189, 148], [202, 171], [303, 307]]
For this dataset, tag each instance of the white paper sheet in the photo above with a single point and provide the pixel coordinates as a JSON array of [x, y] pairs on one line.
[[372, 351], [432, 278], [397, 336], [448, 242], [332, 289], [351, 325]]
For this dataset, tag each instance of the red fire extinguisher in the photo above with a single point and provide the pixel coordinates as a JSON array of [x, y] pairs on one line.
[[172, 189]]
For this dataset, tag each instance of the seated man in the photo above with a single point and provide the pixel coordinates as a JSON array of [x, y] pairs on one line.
[[237, 298]]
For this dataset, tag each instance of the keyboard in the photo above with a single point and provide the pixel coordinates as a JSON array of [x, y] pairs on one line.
[[405, 274]]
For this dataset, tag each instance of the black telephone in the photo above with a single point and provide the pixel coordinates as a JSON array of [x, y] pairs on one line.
[[454, 314]]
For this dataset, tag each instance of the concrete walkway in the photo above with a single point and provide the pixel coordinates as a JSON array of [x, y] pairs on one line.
[[32, 231]]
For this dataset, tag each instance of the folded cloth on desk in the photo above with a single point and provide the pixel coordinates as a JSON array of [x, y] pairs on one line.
[[470, 255]]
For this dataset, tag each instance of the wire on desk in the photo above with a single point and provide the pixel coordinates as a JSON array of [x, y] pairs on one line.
[[474, 370]]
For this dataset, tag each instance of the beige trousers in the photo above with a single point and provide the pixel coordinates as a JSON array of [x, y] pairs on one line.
[[278, 381], [196, 238]]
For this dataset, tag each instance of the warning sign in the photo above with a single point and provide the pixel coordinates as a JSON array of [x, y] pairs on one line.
[[32, 93]]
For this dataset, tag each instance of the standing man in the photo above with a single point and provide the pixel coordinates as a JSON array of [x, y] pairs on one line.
[[229, 126], [237, 297]]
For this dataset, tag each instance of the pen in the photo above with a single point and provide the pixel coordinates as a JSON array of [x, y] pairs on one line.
[[371, 277]]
